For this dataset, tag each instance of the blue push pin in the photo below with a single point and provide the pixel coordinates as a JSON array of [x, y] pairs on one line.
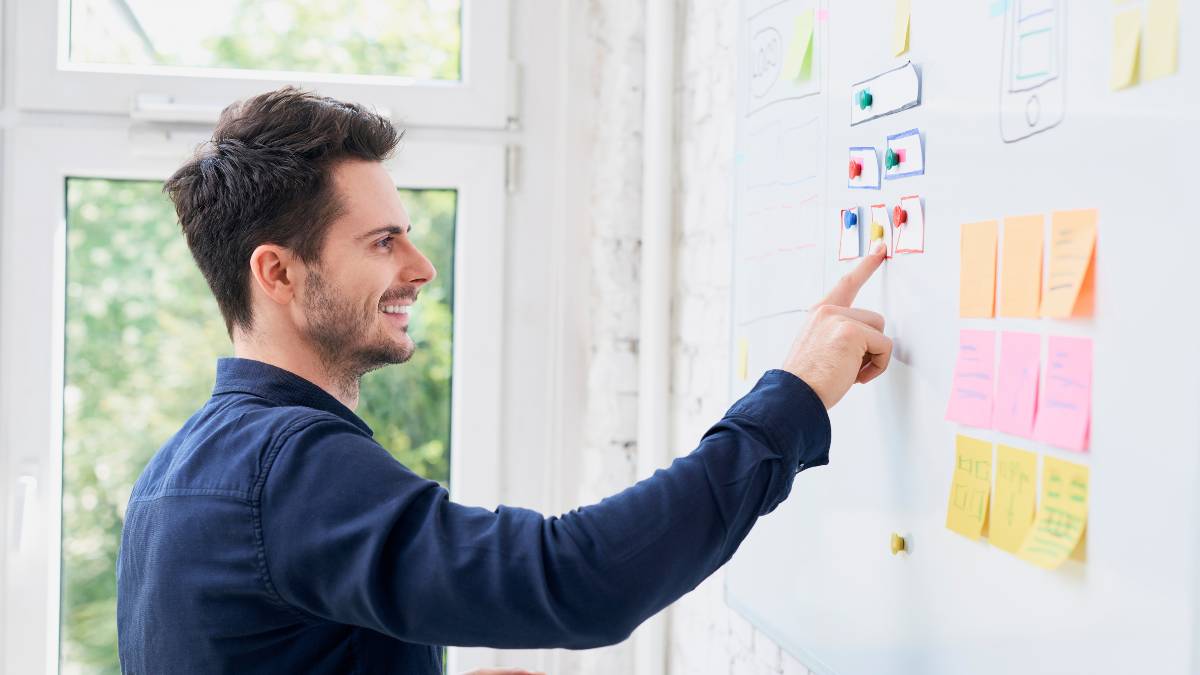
[[850, 219]]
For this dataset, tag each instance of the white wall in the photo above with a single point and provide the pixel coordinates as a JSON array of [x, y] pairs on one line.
[[705, 635]]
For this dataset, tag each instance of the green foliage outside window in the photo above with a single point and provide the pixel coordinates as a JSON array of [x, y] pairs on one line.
[[142, 337]]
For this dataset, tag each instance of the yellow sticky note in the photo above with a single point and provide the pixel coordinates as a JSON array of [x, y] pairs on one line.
[[1070, 281], [1061, 517], [977, 274], [1162, 39], [798, 63], [1021, 266], [1015, 500], [900, 27], [967, 513], [743, 362], [1127, 38]]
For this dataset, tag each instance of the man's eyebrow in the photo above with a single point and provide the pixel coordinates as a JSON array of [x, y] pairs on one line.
[[387, 229]]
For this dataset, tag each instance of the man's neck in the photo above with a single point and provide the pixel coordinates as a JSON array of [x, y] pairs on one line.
[[299, 360]]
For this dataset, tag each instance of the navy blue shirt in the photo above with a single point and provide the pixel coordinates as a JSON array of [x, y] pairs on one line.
[[272, 534]]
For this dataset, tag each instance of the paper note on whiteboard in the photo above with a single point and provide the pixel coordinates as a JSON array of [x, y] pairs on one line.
[[1127, 37], [1017, 383], [886, 93], [910, 235], [1021, 268], [971, 389], [1061, 517], [1015, 498], [977, 272], [1070, 282], [1162, 39], [850, 242], [798, 63], [967, 511], [863, 168], [881, 228], [1064, 416]]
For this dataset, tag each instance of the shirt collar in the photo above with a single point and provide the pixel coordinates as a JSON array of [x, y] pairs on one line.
[[279, 386]]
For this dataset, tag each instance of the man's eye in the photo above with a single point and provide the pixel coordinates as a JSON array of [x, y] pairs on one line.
[[385, 243]]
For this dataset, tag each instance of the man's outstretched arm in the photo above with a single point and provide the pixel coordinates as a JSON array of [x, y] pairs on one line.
[[351, 536]]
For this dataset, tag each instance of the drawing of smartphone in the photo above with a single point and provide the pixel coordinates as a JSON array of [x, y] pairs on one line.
[[1032, 88]]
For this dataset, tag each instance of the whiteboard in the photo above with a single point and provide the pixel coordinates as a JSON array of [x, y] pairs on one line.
[[817, 575]]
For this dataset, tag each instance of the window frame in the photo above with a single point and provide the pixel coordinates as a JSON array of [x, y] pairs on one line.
[[45, 80], [37, 162]]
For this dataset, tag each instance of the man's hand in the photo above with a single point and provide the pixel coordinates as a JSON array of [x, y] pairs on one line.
[[841, 345]]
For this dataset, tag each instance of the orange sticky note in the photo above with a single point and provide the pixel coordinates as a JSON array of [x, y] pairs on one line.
[[977, 274], [1021, 266], [1070, 281]]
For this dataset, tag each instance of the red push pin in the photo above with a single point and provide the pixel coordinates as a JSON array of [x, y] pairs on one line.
[[899, 216], [855, 168]]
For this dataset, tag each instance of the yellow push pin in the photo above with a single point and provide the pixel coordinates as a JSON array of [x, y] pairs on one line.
[[898, 544], [876, 231]]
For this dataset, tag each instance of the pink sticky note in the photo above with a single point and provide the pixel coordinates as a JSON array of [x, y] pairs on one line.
[[1017, 383], [1064, 416], [971, 391]]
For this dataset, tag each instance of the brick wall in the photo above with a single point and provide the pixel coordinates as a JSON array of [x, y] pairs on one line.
[[705, 635]]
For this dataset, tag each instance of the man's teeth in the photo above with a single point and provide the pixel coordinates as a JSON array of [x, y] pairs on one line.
[[395, 309]]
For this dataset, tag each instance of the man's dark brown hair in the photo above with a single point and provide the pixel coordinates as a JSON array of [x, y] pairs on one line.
[[265, 179]]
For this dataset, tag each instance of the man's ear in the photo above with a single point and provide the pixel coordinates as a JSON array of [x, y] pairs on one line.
[[275, 270]]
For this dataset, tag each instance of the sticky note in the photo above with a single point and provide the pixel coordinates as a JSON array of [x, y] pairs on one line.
[[881, 228], [1021, 266], [901, 26], [1061, 517], [1070, 283], [1017, 383], [970, 487], [743, 361], [798, 63], [910, 236], [977, 271], [1015, 500], [1064, 416], [1162, 39], [1127, 38], [850, 239], [971, 389]]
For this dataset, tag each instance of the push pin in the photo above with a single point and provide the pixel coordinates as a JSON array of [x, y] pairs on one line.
[[876, 231], [892, 159], [899, 545], [855, 168], [865, 99], [899, 216], [850, 219]]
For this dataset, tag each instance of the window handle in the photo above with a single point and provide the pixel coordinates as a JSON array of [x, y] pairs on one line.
[[164, 108], [26, 490]]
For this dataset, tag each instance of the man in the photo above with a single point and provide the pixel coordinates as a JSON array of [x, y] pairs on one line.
[[272, 534]]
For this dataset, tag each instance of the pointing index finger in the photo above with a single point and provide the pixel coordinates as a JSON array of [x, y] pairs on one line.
[[847, 287]]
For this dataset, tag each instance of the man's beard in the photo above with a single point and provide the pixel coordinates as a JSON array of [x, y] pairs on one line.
[[344, 334]]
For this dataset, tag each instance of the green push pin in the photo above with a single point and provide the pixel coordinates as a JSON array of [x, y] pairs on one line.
[[865, 99], [891, 160]]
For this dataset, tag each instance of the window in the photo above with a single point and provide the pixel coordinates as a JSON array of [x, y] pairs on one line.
[[142, 334], [418, 39], [109, 334], [111, 306], [437, 63]]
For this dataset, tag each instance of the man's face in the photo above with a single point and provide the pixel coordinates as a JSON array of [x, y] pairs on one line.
[[356, 300]]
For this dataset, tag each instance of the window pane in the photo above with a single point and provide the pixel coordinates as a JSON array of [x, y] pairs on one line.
[[142, 335], [410, 38]]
